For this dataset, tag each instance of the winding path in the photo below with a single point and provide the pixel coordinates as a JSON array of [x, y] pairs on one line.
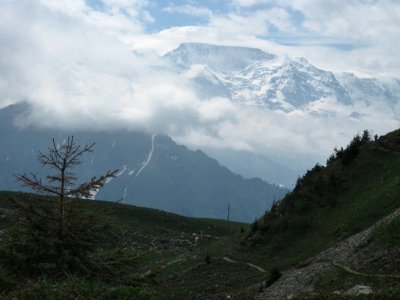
[[296, 281], [351, 271], [258, 268]]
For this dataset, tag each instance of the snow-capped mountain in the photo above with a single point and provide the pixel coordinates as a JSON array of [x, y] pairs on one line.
[[284, 85], [370, 90], [253, 77], [225, 59]]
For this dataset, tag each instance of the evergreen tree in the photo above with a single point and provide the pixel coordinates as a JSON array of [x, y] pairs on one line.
[[55, 235]]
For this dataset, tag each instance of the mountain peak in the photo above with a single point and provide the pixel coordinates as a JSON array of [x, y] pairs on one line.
[[225, 58], [253, 77]]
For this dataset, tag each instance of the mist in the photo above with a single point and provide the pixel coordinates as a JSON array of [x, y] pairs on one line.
[[77, 71]]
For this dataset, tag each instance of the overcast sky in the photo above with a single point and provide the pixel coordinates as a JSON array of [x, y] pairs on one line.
[[89, 64]]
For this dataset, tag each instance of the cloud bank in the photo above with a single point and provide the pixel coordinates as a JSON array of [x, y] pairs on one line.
[[95, 65]]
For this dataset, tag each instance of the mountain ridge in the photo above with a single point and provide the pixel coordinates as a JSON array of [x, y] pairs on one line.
[[275, 82], [333, 237], [153, 170]]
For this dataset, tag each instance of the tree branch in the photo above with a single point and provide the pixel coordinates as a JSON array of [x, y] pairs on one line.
[[36, 184], [85, 189]]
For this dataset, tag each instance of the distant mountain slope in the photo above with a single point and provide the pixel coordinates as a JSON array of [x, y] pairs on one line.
[[254, 165], [154, 171]]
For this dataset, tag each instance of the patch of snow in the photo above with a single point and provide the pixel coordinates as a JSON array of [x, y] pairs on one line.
[[124, 195], [124, 168], [280, 100], [93, 194], [108, 180], [146, 162]]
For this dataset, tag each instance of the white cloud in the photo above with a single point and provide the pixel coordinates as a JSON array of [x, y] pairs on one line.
[[76, 66], [88, 78], [189, 10], [370, 26], [297, 133], [316, 29], [69, 7], [248, 3]]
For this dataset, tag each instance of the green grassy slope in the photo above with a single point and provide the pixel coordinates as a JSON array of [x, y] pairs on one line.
[[167, 250], [333, 202], [359, 185], [145, 220]]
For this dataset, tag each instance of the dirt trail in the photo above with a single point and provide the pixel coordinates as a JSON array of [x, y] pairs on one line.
[[349, 270], [228, 259], [150, 272], [258, 268], [296, 281]]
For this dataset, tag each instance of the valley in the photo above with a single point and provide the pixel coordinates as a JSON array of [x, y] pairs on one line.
[[324, 230], [199, 150]]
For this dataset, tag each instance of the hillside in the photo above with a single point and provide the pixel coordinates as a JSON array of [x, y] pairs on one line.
[[164, 244], [328, 209], [338, 230], [154, 171]]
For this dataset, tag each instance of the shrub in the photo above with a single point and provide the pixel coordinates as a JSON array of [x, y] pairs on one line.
[[55, 235]]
